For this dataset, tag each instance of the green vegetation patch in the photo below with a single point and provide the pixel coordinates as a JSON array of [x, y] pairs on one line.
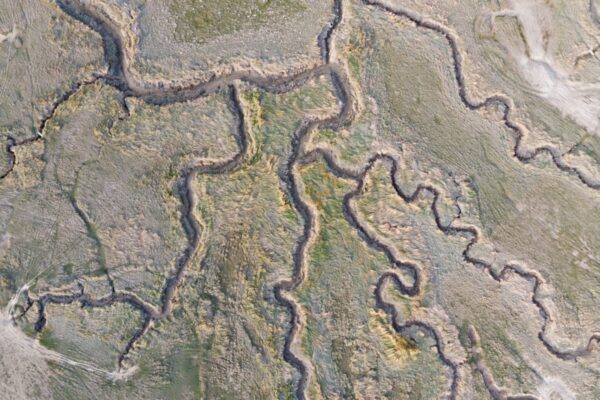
[[200, 20]]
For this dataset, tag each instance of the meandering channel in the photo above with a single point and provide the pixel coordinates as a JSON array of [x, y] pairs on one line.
[[119, 53]]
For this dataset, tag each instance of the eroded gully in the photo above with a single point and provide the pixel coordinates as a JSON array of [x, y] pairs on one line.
[[118, 55]]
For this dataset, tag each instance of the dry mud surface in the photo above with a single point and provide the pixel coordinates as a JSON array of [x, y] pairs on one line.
[[343, 199]]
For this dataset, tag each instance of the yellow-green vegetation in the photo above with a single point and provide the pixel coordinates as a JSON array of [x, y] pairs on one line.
[[255, 111], [355, 51], [199, 20], [282, 113], [398, 349]]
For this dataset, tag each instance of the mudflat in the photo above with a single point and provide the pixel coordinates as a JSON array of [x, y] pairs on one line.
[[343, 199]]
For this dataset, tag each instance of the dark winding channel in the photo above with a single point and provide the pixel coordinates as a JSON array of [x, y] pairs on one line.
[[412, 289], [470, 231], [503, 102], [13, 142]]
